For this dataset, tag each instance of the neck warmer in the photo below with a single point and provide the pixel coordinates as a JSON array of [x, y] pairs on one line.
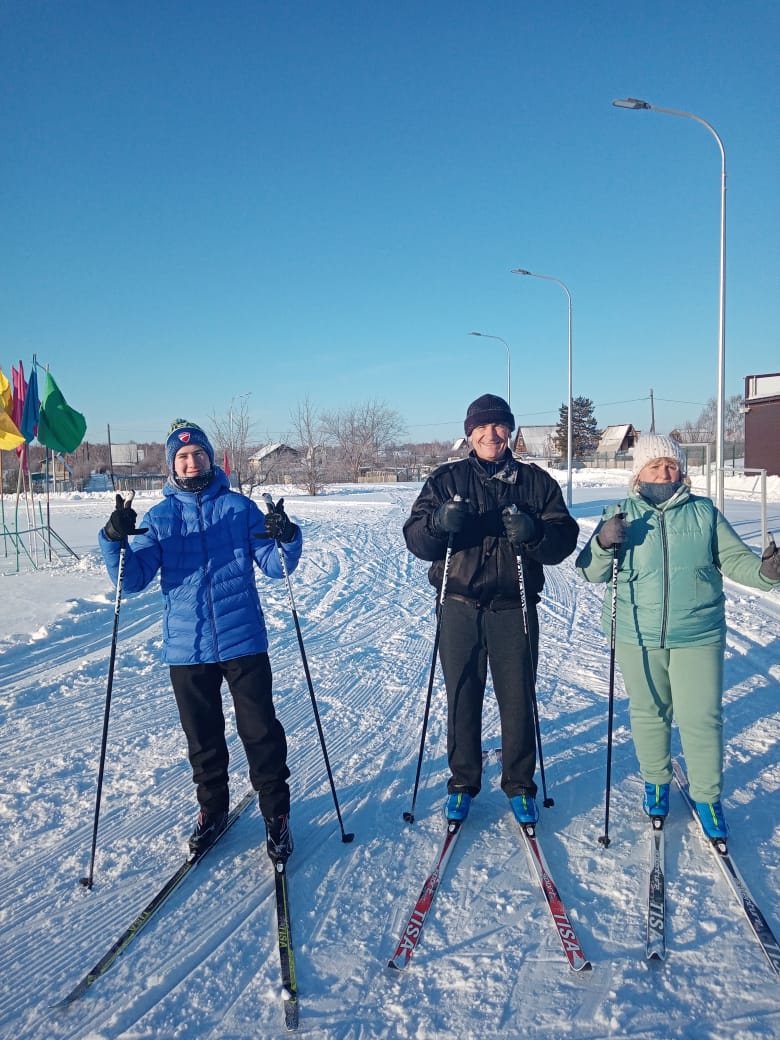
[[657, 494], [194, 484]]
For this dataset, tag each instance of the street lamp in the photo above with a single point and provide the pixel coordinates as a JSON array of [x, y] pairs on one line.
[[636, 103], [486, 335], [569, 434]]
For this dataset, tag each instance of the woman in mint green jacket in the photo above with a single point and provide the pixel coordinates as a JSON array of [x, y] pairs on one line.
[[670, 624]]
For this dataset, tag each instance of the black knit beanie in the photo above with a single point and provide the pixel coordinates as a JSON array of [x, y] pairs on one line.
[[488, 409]]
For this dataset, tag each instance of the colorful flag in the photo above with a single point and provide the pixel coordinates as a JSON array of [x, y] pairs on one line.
[[20, 386], [6, 393], [20, 389], [10, 437], [32, 405], [226, 464], [60, 427]]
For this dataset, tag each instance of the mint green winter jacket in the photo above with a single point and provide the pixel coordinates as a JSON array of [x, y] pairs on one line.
[[669, 578]]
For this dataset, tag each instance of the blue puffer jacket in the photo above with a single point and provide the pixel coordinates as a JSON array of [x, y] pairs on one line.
[[205, 550], [669, 578]]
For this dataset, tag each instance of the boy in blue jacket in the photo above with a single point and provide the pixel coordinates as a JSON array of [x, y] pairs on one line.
[[204, 541]]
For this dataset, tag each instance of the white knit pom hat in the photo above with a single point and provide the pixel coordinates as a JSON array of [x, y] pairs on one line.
[[651, 446]]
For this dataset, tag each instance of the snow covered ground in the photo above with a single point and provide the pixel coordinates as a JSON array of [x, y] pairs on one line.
[[490, 963]]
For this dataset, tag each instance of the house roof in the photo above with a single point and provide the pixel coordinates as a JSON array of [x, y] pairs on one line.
[[539, 440], [612, 439], [270, 449]]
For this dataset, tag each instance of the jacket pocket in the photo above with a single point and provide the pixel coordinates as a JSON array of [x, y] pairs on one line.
[[708, 585]]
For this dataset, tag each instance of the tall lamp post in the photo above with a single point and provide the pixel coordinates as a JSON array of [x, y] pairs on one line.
[[569, 427], [636, 103], [486, 335]]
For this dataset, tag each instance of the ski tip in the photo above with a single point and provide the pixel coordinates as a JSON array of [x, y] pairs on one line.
[[395, 968], [581, 964]]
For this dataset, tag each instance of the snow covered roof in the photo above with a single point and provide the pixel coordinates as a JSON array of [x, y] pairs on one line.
[[616, 438], [539, 441], [270, 449]]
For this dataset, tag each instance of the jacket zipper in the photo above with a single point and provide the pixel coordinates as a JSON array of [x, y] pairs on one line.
[[665, 563], [207, 569]]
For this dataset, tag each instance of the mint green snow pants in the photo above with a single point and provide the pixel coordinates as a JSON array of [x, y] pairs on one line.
[[685, 684]]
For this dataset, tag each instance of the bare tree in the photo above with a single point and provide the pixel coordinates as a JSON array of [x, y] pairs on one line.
[[231, 436], [307, 435], [362, 434], [704, 428]]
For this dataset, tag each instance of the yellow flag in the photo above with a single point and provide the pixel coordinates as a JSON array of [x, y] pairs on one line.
[[9, 435], [6, 394]]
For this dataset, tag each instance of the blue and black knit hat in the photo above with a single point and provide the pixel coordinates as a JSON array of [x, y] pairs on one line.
[[182, 433]]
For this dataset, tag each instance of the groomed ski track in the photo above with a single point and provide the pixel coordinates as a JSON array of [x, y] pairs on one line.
[[207, 968]]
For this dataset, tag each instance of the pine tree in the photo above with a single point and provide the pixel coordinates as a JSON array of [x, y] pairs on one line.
[[585, 432]]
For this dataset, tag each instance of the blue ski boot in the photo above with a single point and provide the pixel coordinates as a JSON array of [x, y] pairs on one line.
[[458, 805], [711, 818], [525, 809], [656, 799]]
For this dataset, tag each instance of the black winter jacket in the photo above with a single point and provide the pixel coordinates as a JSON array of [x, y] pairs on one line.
[[483, 564]]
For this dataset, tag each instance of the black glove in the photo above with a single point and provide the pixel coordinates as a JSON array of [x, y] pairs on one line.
[[453, 517], [278, 524], [614, 532], [770, 561], [520, 527], [121, 523]]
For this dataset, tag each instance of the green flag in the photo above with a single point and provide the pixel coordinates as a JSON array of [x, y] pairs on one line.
[[60, 427]]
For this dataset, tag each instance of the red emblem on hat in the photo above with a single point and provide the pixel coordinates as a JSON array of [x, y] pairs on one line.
[[185, 437]]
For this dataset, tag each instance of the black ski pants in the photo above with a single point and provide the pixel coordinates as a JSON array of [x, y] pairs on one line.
[[471, 638], [198, 692]]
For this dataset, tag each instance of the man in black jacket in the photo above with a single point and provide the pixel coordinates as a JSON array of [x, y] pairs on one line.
[[497, 511]]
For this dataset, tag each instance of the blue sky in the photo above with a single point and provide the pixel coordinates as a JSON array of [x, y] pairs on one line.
[[203, 200]]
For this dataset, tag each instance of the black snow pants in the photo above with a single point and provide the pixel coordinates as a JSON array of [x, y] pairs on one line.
[[471, 637], [198, 692]]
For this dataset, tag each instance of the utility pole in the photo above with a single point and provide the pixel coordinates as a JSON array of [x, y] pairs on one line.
[[652, 412]]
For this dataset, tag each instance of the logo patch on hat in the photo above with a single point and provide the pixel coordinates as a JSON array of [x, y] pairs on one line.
[[185, 436]]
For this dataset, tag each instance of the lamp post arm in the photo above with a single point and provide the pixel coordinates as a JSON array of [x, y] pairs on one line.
[[636, 103]]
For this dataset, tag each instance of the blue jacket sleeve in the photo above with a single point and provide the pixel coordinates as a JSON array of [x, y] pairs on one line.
[[142, 559]]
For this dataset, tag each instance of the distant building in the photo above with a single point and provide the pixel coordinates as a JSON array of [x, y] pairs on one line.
[[273, 464], [762, 423], [615, 445], [536, 442]]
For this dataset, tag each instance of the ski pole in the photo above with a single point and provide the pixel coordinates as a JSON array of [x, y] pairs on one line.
[[604, 839], [87, 881], [546, 802], [409, 816], [345, 837]]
